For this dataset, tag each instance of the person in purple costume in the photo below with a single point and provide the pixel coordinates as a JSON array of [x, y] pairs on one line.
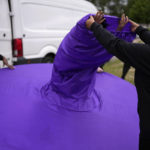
[[138, 56], [68, 105]]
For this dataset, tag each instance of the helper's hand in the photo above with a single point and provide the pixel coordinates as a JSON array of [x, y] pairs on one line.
[[99, 18], [134, 25], [89, 22], [5, 62], [124, 20]]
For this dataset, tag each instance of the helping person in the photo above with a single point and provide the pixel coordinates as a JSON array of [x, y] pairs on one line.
[[138, 56]]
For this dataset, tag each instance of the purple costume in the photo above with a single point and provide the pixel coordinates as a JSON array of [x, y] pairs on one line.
[[76, 109]]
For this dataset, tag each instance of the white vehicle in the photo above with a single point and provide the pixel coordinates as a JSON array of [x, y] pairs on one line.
[[31, 30]]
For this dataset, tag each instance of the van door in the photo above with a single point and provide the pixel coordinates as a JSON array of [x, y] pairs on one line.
[[43, 24], [5, 31]]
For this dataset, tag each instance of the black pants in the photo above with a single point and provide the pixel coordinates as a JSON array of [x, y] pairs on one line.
[[144, 138], [101, 66], [144, 115], [126, 68], [144, 141]]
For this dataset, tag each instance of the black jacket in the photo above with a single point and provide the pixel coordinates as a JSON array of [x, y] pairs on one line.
[[1, 57], [138, 56]]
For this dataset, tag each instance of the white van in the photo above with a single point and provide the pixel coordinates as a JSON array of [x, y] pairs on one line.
[[31, 30]]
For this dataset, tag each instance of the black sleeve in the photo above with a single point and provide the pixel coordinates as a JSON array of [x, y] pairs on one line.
[[1, 57], [144, 34], [137, 55]]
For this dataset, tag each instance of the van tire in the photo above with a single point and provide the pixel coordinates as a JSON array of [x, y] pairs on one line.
[[48, 58]]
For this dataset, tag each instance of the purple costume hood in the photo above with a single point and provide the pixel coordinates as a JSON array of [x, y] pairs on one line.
[[77, 59]]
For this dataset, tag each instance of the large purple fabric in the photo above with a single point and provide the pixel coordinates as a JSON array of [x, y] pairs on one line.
[[77, 109], [28, 123]]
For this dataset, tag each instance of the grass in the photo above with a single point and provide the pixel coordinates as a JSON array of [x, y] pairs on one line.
[[115, 67]]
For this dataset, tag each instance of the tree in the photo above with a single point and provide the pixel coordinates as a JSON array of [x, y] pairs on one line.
[[100, 4], [116, 7], [140, 11], [112, 7], [128, 6]]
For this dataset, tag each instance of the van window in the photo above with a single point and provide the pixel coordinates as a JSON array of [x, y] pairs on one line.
[[47, 17], [4, 15]]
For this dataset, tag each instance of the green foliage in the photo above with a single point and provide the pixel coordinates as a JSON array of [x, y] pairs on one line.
[[101, 4], [140, 11], [128, 6], [112, 7], [116, 7]]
